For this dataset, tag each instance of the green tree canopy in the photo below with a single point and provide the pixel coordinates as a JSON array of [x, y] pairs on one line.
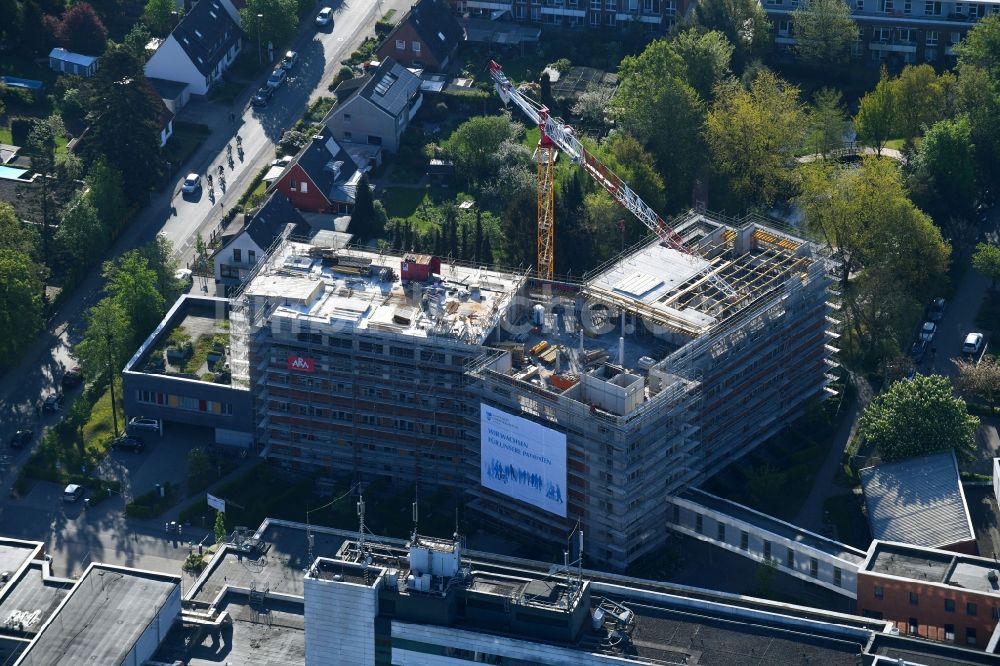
[[107, 193], [82, 236], [220, 527], [986, 261], [474, 144], [707, 56], [945, 165], [921, 98], [919, 416], [981, 46], [752, 133], [133, 286], [15, 234], [280, 19], [158, 15], [106, 342], [20, 303], [827, 122], [876, 116], [653, 81], [364, 223], [824, 31], [743, 22]]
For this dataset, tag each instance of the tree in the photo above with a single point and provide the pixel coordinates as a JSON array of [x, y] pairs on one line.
[[82, 236], [945, 165], [20, 303], [15, 234], [919, 416], [199, 469], [980, 379], [277, 27], [920, 98], [981, 46], [877, 114], [743, 22], [751, 133], [651, 82], [364, 224], [624, 155], [220, 527], [827, 122], [136, 39], [824, 31], [126, 128], [107, 193], [106, 342], [159, 255], [133, 286], [80, 29], [42, 146], [986, 261], [592, 104], [474, 144], [707, 56], [159, 16]]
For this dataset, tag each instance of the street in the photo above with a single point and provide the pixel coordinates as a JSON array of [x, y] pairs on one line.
[[75, 537]]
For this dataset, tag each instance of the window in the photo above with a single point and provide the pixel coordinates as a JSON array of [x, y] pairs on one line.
[[293, 186], [773, 2], [912, 626], [882, 34], [400, 44], [698, 523], [956, 37], [347, 136], [610, 19], [813, 567], [416, 47], [879, 592], [767, 551], [595, 19], [971, 609], [931, 38], [251, 256], [595, 5], [237, 255], [907, 6], [744, 540], [611, 5], [970, 635], [930, 55], [949, 632], [721, 532], [783, 28], [905, 34], [347, 117], [374, 140], [914, 599], [304, 188], [885, 6], [949, 605], [838, 576], [932, 7], [790, 559]]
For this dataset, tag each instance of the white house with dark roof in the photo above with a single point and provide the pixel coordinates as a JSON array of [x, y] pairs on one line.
[[197, 52], [379, 110]]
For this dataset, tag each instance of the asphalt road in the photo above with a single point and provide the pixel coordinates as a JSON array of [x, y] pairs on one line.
[[102, 534]]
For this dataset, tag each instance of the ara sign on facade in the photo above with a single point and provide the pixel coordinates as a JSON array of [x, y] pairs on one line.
[[301, 363]]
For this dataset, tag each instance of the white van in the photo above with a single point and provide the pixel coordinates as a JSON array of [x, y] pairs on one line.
[[72, 493]]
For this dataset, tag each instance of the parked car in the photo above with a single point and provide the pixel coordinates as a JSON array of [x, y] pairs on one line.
[[918, 351], [72, 377], [325, 17], [21, 438], [935, 311], [928, 331], [973, 344], [277, 77], [52, 403], [127, 443], [191, 184], [290, 60], [262, 96], [142, 423], [282, 161], [72, 493]]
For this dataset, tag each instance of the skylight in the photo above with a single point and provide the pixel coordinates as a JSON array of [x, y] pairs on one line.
[[383, 86], [441, 36]]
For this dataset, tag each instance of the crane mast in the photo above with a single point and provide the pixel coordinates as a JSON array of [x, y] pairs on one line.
[[554, 133]]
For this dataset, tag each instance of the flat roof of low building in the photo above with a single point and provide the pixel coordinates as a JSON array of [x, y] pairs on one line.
[[918, 501], [932, 565], [102, 617], [31, 599]]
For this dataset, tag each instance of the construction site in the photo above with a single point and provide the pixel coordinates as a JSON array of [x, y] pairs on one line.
[[547, 403]]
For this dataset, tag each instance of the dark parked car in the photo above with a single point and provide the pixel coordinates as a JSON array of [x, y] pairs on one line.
[[73, 377], [262, 96], [935, 311], [127, 443], [52, 403], [21, 438]]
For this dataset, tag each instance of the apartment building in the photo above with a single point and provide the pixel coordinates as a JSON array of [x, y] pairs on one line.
[[546, 403], [895, 31], [655, 16]]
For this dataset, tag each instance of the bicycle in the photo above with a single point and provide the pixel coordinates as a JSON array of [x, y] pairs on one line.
[[239, 141]]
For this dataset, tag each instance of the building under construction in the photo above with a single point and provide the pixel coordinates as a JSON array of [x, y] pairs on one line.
[[547, 402]]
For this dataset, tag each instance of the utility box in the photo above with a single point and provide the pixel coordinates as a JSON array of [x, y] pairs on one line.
[[419, 267]]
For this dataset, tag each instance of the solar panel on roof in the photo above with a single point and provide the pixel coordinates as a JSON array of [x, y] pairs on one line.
[[383, 86]]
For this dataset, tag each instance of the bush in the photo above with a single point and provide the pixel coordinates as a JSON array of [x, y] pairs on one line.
[[562, 65], [19, 129]]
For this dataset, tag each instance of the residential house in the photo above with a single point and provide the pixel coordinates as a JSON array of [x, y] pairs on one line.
[[379, 110], [276, 218], [166, 123], [900, 31], [322, 178], [67, 62], [173, 93], [655, 16], [199, 49], [426, 37]]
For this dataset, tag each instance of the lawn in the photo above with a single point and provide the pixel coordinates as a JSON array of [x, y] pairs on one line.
[[5, 136], [99, 428], [895, 144], [404, 201]]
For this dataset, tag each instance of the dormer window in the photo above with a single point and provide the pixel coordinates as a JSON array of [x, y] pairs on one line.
[[416, 47], [400, 45]]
